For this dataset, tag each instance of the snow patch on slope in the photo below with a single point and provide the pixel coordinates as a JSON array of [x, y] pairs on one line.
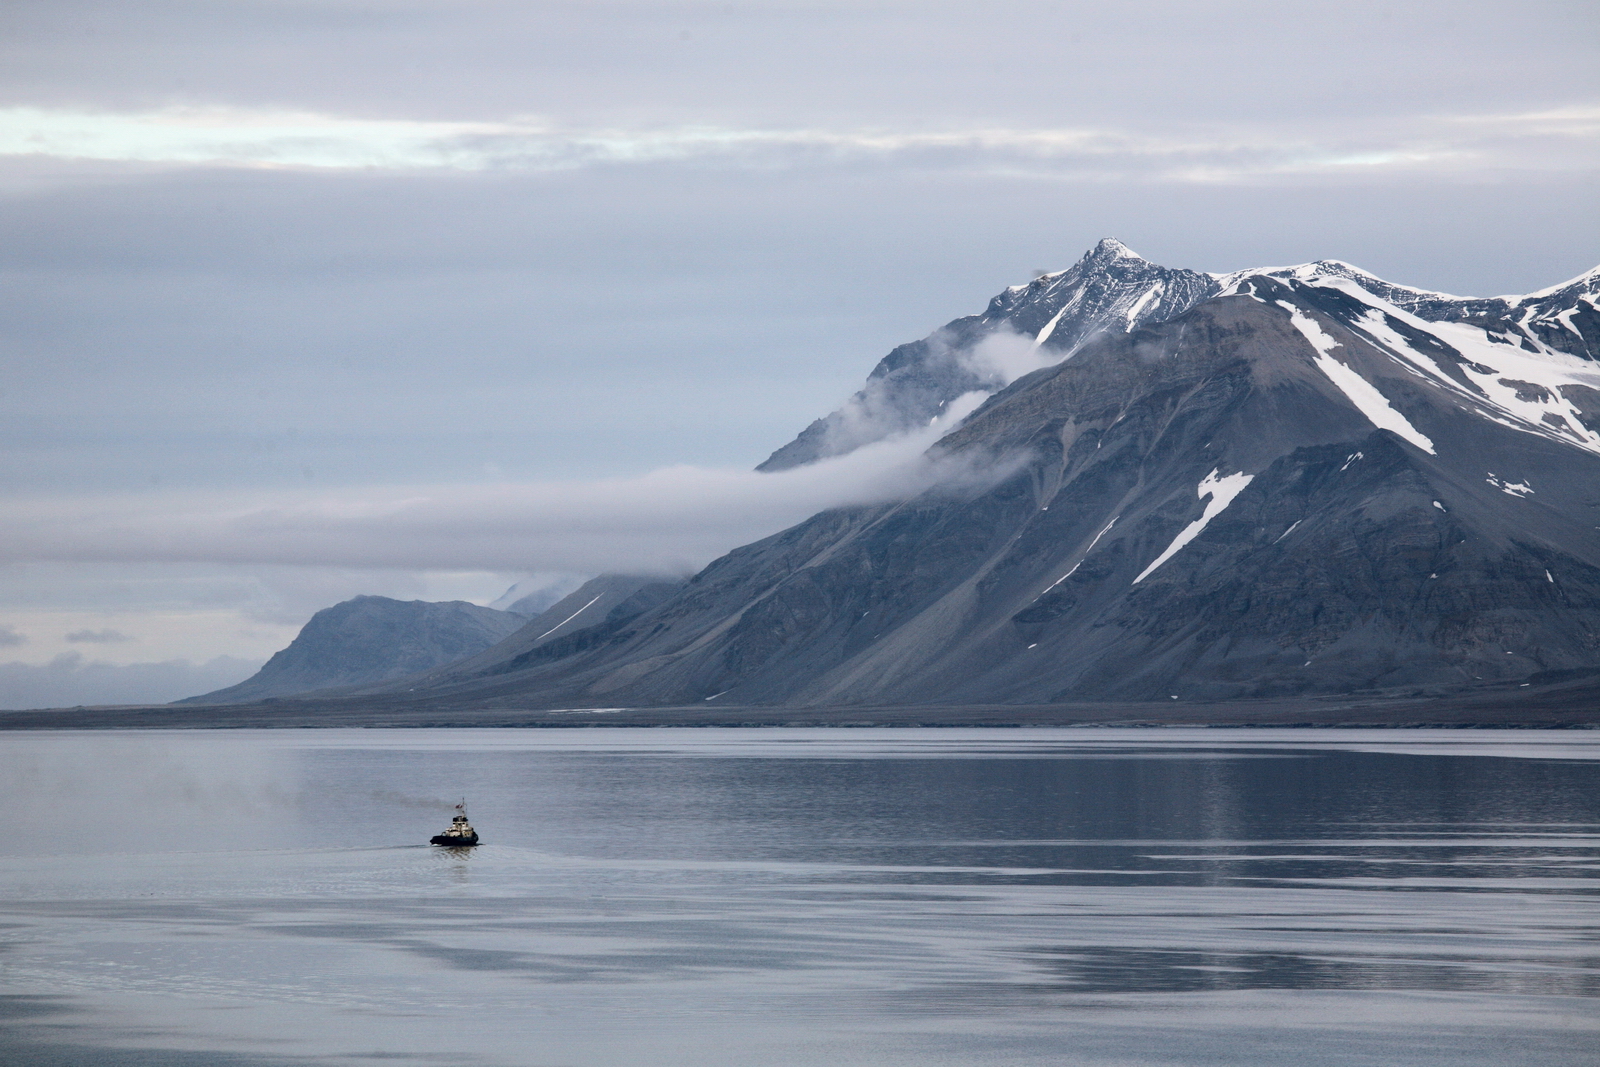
[[1513, 488], [1050, 327], [1360, 392], [1221, 491], [1149, 295]]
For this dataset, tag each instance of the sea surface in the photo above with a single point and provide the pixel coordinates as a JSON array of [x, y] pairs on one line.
[[744, 898]]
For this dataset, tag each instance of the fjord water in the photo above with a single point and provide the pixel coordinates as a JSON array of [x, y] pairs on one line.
[[801, 896]]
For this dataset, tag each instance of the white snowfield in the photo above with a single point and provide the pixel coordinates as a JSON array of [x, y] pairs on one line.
[[1506, 382], [1221, 491], [568, 619], [1542, 410]]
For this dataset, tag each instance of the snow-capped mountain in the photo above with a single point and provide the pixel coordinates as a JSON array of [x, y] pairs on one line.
[[1113, 289], [1041, 323], [1298, 480]]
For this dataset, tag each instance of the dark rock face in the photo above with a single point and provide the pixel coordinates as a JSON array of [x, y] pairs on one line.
[[371, 639], [1299, 483]]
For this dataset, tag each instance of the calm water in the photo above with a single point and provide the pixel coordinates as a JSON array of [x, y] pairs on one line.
[[829, 897]]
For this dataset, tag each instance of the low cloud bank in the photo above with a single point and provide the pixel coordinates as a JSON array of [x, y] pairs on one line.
[[69, 680], [669, 521]]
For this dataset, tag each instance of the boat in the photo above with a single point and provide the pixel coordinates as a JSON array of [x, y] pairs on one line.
[[460, 835]]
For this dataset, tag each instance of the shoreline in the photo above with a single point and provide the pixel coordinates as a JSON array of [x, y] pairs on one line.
[[1570, 706]]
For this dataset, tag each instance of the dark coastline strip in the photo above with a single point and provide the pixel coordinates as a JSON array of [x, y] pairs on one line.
[[1570, 706]]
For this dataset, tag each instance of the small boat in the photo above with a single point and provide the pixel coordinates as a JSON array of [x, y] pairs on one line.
[[460, 835]]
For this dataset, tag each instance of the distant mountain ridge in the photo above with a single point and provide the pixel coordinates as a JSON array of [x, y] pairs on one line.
[[371, 639], [592, 614], [534, 595]]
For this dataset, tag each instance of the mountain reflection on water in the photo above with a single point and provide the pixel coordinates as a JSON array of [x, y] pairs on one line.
[[751, 897]]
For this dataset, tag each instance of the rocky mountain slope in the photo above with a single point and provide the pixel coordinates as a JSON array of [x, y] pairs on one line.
[[589, 616], [372, 639], [1286, 481], [1111, 288]]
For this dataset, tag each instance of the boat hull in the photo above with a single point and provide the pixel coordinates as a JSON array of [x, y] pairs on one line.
[[453, 842]]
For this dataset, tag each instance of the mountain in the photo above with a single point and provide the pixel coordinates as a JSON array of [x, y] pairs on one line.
[[1287, 481], [1111, 289], [371, 639], [591, 615]]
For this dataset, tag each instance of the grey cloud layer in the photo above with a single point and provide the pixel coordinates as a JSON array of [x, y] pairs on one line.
[[763, 64], [673, 520]]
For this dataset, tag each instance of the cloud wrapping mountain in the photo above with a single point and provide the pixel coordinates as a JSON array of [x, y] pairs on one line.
[[670, 521]]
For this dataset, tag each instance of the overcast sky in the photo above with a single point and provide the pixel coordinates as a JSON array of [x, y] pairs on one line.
[[310, 298]]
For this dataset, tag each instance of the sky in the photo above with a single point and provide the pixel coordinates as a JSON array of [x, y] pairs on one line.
[[305, 299]]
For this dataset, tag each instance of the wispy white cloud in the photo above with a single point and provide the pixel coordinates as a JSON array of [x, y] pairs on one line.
[[1580, 120], [1557, 139], [672, 520]]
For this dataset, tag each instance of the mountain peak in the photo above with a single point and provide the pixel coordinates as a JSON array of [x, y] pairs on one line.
[[1111, 248]]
